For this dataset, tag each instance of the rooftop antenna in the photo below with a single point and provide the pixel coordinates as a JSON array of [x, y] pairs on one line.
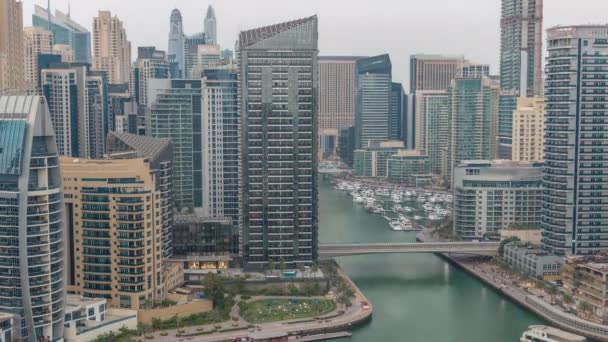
[[69, 10], [48, 9]]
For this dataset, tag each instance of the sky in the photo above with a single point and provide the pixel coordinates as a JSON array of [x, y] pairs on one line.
[[346, 27]]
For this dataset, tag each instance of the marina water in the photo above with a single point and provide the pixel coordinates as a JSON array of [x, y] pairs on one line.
[[416, 297]]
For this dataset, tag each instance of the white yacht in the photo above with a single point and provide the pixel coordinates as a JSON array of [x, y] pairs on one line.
[[358, 199], [543, 333], [396, 225]]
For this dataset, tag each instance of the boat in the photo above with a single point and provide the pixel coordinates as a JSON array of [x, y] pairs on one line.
[[396, 225], [358, 199], [543, 333]]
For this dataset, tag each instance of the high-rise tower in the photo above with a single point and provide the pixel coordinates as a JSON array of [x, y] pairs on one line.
[[32, 224], [111, 49], [520, 62], [210, 26], [37, 41], [12, 74], [176, 45], [278, 161], [574, 218]]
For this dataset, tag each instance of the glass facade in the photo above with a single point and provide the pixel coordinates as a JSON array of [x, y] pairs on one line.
[[175, 113], [278, 88]]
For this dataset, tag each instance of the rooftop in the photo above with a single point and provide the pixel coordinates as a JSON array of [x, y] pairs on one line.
[[500, 163], [250, 37]]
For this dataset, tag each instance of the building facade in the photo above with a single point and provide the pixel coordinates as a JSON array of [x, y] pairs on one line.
[[473, 119], [211, 26], [66, 32], [374, 85], [111, 49], [533, 262], [574, 211], [116, 248], [433, 128], [220, 131], [176, 45], [372, 161], [493, 195], [278, 161], [151, 63], [175, 114], [529, 129], [406, 166], [36, 41], [521, 51], [12, 71], [587, 278], [346, 145], [159, 154], [433, 72], [337, 91], [33, 220], [398, 108]]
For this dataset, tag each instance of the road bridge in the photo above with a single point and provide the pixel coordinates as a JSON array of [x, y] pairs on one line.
[[329, 250]]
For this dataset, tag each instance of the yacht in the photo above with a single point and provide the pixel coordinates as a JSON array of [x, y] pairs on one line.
[[358, 199], [543, 333], [396, 225]]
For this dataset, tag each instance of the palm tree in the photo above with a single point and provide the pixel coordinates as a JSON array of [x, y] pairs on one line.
[[271, 266], [314, 269]]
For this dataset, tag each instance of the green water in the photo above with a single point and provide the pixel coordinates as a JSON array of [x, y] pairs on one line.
[[416, 297]]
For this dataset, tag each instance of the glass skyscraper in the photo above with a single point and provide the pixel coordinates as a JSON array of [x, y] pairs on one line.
[[278, 94], [31, 219], [372, 119], [575, 215], [175, 113], [65, 31]]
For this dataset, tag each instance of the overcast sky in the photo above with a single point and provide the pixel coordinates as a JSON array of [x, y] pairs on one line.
[[346, 27]]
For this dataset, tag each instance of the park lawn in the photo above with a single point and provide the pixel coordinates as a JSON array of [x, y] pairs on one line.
[[272, 310]]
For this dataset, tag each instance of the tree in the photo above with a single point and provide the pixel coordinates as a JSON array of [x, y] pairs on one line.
[[584, 306], [314, 269], [215, 289], [271, 266], [503, 243], [302, 269], [567, 298], [551, 291], [282, 265]]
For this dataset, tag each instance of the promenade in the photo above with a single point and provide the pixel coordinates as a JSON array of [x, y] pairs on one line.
[[551, 313]]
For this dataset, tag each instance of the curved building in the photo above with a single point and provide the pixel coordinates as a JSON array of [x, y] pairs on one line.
[[31, 219]]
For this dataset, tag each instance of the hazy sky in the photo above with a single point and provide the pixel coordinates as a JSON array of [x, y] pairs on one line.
[[348, 27]]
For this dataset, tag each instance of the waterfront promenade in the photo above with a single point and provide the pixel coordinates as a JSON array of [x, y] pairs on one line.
[[551, 313]]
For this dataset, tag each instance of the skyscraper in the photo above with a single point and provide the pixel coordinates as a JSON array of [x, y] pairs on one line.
[[576, 153], [151, 63], [31, 200], [175, 113], [220, 121], [78, 104], [398, 107], [473, 116], [177, 63], [65, 31], [529, 130], [191, 46], [374, 87], [337, 92], [211, 26], [278, 161], [433, 72], [111, 49], [520, 62], [36, 42], [433, 113], [12, 71]]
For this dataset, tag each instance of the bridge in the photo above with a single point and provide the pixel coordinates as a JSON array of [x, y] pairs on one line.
[[346, 249]]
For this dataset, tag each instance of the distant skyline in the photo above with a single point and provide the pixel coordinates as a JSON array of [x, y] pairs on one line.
[[347, 27]]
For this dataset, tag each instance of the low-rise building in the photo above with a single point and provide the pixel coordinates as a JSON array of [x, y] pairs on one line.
[[372, 161], [88, 318], [406, 166], [587, 278], [204, 244], [493, 195], [533, 262]]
